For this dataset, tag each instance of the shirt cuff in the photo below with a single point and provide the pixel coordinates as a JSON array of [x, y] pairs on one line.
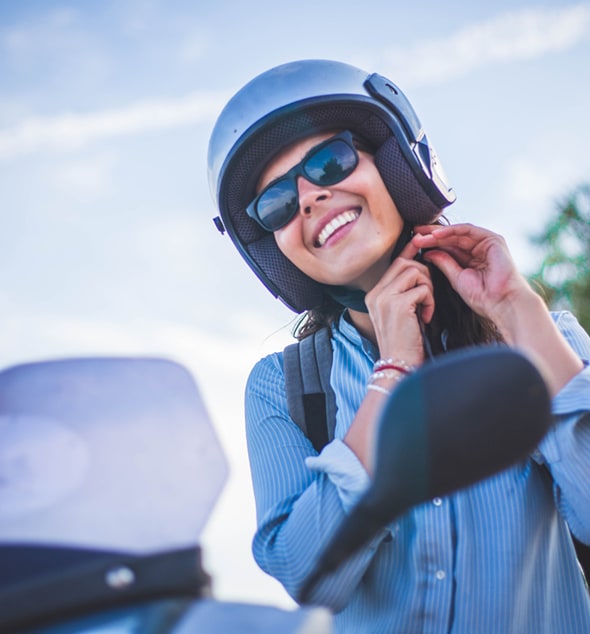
[[574, 396], [343, 469], [569, 406]]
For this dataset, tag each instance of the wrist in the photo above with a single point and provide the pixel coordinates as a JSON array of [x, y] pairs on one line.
[[387, 373], [514, 315], [526, 324]]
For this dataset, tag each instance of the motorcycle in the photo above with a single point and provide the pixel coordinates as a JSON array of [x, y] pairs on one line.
[[110, 467]]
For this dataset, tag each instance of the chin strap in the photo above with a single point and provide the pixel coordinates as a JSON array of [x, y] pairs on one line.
[[354, 297], [349, 297]]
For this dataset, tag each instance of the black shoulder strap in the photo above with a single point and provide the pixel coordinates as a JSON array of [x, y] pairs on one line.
[[310, 397]]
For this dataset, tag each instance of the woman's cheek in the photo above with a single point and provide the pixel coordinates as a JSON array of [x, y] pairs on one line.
[[289, 241]]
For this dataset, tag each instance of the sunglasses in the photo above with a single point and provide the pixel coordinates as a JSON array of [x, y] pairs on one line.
[[325, 164]]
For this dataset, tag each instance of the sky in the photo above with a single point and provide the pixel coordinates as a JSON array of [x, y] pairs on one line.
[[107, 245]]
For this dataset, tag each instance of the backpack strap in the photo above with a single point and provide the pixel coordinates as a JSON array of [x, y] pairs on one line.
[[310, 397]]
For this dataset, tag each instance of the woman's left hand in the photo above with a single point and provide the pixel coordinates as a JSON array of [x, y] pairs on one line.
[[476, 262], [480, 268]]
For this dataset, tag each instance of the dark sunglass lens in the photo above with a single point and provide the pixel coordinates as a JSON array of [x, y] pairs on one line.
[[277, 205], [331, 164]]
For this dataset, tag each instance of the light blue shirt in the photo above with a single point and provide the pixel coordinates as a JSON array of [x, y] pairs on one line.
[[494, 558]]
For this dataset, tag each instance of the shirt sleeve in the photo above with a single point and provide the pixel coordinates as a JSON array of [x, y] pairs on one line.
[[566, 447], [343, 469], [298, 508]]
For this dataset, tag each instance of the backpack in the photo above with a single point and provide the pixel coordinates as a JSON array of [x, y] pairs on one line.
[[310, 397], [312, 402]]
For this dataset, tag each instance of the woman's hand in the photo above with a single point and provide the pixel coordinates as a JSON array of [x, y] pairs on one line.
[[402, 296], [476, 262], [480, 268]]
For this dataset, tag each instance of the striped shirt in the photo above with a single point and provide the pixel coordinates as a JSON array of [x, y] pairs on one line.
[[494, 558]]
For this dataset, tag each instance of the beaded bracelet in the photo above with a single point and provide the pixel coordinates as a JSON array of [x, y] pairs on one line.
[[388, 369], [393, 364], [387, 374], [378, 388]]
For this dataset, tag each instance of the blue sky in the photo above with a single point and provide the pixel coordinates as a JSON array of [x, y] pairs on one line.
[[107, 244]]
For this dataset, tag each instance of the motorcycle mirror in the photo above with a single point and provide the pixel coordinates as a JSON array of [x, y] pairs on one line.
[[457, 420]]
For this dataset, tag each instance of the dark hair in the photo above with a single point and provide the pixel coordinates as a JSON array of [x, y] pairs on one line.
[[316, 318], [454, 325]]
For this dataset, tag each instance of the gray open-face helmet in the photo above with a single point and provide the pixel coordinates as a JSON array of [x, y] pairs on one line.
[[290, 102]]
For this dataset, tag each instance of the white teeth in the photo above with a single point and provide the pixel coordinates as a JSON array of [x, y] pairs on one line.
[[335, 224]]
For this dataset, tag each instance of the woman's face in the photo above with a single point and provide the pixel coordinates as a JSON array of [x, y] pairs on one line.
[[343, 234]]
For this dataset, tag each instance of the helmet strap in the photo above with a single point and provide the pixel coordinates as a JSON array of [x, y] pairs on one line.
[[349, 297]]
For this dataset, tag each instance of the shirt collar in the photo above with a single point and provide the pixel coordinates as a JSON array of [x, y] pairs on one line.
[[350, 333]]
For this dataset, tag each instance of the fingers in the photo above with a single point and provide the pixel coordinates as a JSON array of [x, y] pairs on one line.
[[455, 239], [447, 263], [423, 298], [404, 274], [406, 287], [403, 296], [410, 251], [476, 261], [464, 232], [470, 246], [409, 291]]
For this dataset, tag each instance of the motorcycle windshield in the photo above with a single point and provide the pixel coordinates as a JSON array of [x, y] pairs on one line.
[[116, 454]]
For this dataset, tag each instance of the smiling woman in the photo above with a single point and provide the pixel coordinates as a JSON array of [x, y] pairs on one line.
[[319, 240], [105, 111], [333, 194]]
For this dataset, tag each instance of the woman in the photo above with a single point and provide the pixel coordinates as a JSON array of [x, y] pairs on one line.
[[329, 188]]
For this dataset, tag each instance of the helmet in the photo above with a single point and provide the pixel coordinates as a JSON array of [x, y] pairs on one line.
[[296, 100]]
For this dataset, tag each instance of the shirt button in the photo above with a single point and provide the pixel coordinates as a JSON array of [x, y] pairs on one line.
[[440, 575], [437, 501]]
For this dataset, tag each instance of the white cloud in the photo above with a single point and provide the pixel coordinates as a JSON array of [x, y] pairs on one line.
[[72, 131], [512, 36]]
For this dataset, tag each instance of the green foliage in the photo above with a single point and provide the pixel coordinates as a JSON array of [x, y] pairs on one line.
[[564, 274]]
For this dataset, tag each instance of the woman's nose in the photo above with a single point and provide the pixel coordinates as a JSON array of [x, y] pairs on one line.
[[310, 194]]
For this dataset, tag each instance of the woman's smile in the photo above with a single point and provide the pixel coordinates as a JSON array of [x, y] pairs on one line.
[[343, 234], [333, 226]]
